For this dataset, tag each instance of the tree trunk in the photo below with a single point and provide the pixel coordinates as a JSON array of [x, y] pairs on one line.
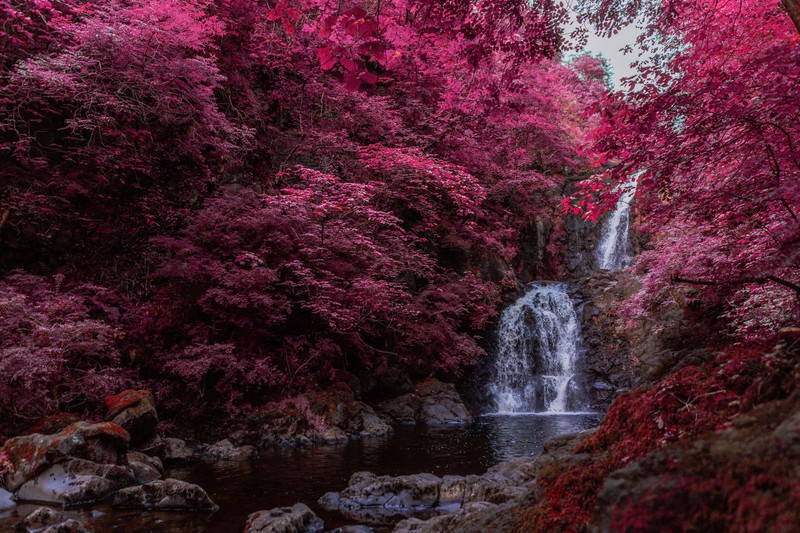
[[792, 7]]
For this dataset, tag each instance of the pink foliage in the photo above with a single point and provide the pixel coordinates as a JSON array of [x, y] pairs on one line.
[[711, 121], [53, 355]]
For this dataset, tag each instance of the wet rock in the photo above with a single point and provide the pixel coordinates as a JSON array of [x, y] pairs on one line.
[[330, 417], [433, 402], [447, 523], [176, 451], [6, 499], [224, 450], [40, 518], [380, 500], [165, 495], [135, 411], [401, 410], [144, 467], [155, 447], [296, 519], [105, 443], [68, 526], [45, 519], [75, 482], [352, 529]]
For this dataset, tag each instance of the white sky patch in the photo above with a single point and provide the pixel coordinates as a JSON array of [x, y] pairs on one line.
[[611, 49]]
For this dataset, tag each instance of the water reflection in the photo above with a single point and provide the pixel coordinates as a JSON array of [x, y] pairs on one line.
[[281, 478]]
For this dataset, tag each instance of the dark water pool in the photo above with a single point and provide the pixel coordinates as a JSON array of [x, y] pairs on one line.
[[285, 477]]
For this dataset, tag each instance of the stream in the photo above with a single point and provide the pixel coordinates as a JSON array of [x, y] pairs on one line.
[[279, 478]]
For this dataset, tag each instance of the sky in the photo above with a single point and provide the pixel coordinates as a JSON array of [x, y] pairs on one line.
[[610, 49]]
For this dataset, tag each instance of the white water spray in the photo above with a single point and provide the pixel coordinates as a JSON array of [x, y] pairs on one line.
[[537, 351], [612, 250]]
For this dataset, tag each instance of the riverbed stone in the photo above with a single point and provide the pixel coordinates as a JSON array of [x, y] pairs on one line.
[[165, 495], [40, 518], [46, 519], [381, 500], [144, 467], [176, 451], [67, 526], [135, 411], [105, 443], [295, 519], [433, 402], [75, 482], [225, 450], [320, 417]]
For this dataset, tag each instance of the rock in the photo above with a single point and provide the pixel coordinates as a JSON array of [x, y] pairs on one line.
[[329, 417], [165, 495], [224, 450], [446, 523], [401, 410], [136, 412], [295, 519], [105, 443], [176, 451], [145, 468], [352, 529], [6, 499], [75, 482], [40, 518], [381, 500], [433, 403], [68, 526], [155, 447], [45, 519]]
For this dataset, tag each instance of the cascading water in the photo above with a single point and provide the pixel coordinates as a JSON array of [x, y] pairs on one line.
[[612, 250], [538, 341]]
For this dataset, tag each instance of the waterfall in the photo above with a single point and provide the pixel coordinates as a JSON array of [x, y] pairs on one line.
[[538, 339], [612, 250]]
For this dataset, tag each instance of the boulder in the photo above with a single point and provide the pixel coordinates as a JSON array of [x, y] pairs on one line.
[[224, 450], [329, 417], [135, 411], [401, 410], [105, 443], [67, 526], [441, 404], [432, 402], [467, 518], [155, 446], [45, 519], [176, 451], [165, 495], [381, 500], [295, 519], [40, 518], [75, 482], [144, 467]]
